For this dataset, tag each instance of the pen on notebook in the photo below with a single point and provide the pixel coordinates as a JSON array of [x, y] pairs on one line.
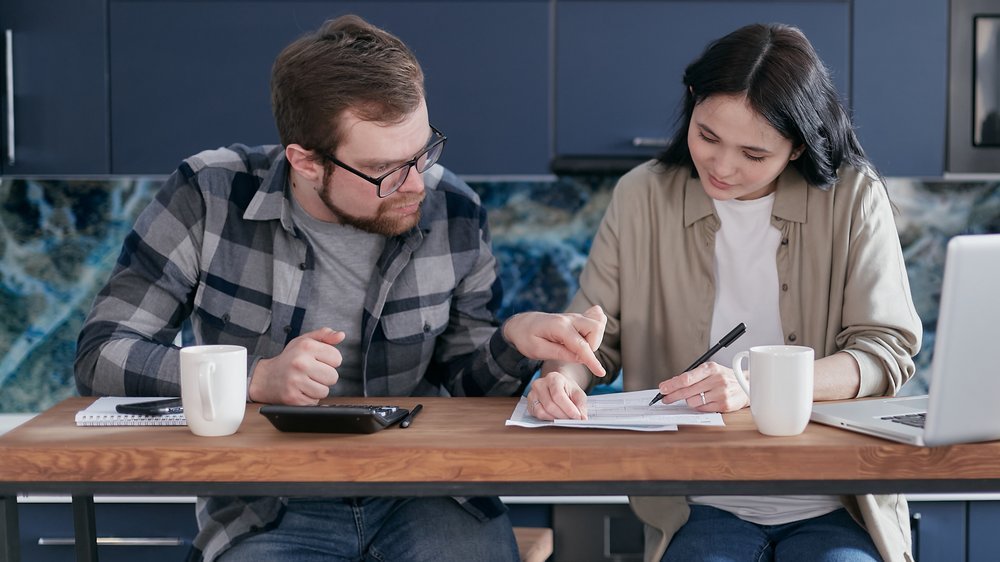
[[727, 339], [409, 417]]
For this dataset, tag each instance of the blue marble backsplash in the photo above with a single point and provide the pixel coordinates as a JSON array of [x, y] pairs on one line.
[[60, 239]]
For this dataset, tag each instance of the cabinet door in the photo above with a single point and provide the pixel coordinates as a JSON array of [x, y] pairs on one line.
[[187, 76], [938, 531], [150, 532], [900, 81], [55, 85], [619, 65], [984, 522]]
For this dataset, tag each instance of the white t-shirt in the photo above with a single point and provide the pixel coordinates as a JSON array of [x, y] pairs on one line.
[[746, 281]]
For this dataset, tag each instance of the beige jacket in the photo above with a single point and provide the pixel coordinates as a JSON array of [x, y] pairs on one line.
[[843, 288]]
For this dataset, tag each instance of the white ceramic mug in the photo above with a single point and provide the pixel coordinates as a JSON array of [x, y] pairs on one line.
[[214, 388], [781, 394]]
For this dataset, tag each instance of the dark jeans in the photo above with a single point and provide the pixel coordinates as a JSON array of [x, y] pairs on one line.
[[379, 529], [715, 535]]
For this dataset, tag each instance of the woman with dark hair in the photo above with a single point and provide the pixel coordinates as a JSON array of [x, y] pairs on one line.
[[764, 210]]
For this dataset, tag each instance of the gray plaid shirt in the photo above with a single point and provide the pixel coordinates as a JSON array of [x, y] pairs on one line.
[[218, 246]]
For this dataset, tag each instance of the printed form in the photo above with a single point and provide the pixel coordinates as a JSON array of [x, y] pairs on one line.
[[623, 410]]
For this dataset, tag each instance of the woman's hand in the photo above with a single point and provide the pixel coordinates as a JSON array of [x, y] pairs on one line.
[[709, 387], [557, 396]]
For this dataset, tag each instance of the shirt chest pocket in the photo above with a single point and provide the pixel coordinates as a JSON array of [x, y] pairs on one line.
[[416, 326], [232, 318]]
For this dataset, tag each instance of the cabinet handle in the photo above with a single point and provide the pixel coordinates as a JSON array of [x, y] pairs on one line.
[[9, 52], [650, 142], [114, 541]]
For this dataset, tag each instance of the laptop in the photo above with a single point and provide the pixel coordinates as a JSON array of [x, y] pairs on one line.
[[963, 404]]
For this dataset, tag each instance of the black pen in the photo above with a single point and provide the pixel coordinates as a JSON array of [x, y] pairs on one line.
[[409, 417], [729, 338]]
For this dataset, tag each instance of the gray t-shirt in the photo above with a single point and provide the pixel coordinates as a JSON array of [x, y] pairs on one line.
[[345, 261]]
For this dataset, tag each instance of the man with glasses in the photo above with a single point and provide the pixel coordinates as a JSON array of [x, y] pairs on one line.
[[348, 264]]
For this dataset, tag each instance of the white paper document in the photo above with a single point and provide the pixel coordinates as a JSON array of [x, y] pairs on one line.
[[623, 410]]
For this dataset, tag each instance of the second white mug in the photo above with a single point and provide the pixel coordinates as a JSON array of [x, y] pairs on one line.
[[781, 389], [214, 388]]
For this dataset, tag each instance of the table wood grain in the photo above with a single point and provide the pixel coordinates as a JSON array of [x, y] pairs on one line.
[[462, 445]]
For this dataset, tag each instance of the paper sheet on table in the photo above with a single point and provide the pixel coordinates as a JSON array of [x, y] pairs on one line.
[[623, 410]]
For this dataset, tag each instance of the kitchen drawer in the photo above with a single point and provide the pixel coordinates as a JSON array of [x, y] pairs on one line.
[[151, 532]]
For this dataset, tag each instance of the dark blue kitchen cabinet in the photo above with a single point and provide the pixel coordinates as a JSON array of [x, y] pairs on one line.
[[54, 86], [984, 531], [938, 530], [186, 76], [151, 532], [900, 83], [619, 65]]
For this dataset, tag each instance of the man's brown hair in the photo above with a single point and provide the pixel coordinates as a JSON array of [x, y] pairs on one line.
[[347, 64]]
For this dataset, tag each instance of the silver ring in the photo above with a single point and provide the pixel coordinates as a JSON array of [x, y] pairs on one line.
[[703, 401], [535, 403]]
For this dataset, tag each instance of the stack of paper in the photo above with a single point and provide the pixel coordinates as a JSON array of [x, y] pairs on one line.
[[623, 410]]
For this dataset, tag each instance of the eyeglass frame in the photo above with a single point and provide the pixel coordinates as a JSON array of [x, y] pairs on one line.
[[411, 163]]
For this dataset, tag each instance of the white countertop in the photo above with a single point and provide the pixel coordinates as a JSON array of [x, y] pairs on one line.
[[10, 421]]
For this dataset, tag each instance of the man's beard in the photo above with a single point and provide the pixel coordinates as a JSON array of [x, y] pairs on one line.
[[381, 223]]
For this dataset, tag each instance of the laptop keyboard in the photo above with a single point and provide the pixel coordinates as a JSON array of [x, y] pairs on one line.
[[914, 420]]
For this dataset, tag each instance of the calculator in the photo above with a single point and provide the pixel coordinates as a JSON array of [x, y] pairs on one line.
[[333, 418]]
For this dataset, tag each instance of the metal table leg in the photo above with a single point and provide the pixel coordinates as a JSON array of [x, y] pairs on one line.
[[10, 535], [85, 527]]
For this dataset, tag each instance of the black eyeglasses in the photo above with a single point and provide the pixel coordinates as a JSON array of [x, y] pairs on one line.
[[389, 182]]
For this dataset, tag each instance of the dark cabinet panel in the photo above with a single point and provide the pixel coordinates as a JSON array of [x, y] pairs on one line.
[[596, 533], [150, 532], [984, 531], [938, 530], [900, 84], [55, 54], [619, 65], [186, 76]]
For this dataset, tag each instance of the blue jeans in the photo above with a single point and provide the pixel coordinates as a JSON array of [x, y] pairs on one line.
[[715, 535], [379, 529]]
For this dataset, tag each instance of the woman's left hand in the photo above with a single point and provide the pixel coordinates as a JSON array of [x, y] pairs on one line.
[[709, 387]]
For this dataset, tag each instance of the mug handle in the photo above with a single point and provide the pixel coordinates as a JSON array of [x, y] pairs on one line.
[[205, 372], [738, 370]]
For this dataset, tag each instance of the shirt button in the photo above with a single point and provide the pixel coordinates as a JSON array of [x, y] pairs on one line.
[[288, 329], [302, 266], [784, 287], [225, 318], [427, 327], [792, 337], [784, 241]]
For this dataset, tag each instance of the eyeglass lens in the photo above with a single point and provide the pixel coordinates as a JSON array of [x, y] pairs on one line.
[[394, 181]]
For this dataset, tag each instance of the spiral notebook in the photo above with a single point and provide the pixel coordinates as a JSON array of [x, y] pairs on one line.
[[102, 413]]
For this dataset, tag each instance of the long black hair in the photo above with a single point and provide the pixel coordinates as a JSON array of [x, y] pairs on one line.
[[784, 81]]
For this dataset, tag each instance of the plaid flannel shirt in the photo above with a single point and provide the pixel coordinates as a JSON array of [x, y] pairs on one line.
[[218, 246]]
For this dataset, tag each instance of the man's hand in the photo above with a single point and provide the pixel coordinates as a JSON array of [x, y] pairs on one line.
[[563, 337], [302, 374]]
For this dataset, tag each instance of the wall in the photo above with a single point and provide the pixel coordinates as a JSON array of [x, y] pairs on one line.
[[59, 240]]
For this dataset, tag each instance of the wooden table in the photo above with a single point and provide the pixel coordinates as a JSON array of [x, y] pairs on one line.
[[460, 446]]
